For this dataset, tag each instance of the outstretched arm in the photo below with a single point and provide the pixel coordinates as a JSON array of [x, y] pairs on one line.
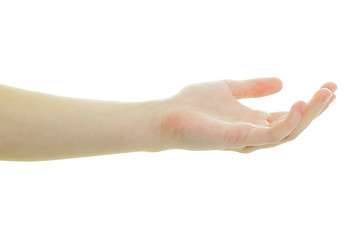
[[203, 116]]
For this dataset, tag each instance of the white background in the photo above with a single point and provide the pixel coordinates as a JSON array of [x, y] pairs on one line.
[[142, 50]]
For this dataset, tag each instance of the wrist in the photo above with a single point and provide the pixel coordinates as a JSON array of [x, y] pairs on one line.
[[150, 128]]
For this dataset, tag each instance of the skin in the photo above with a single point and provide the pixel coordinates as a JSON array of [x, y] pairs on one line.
[[208, 116], [36, 126]]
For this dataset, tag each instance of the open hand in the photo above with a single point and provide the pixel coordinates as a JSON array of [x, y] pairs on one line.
[[208, 116]]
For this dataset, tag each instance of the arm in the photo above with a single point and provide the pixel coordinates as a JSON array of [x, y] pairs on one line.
[[203, 116], [38, 126]]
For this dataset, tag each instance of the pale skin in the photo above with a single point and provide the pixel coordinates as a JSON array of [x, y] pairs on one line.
[[36, 126]]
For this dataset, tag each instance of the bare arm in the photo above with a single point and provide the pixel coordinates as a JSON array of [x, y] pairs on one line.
[[203, 116], [38, 126]]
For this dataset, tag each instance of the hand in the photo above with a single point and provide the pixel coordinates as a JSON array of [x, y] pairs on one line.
[[208, 116]]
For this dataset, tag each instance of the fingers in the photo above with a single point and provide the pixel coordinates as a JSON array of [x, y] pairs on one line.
[[314, 107], [274, 134], [253, 88], [330, 101], [330, 85]]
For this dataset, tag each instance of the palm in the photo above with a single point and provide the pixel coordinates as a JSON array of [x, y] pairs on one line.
[[216, 100], [208, 116]]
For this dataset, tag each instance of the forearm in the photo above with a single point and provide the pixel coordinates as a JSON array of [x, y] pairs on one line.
[[37, 126]]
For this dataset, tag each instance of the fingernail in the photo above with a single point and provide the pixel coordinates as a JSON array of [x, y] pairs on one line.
[[326, 99]]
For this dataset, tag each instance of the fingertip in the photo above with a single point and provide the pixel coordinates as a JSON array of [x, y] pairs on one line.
[[326, 94], [325, 89], [297, 109], [298, 106], [331, 86], [335, 87], [278, 83], [273, 82], [277, 79]]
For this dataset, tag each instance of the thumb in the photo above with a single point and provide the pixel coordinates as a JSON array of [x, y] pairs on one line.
[[253, 88]]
